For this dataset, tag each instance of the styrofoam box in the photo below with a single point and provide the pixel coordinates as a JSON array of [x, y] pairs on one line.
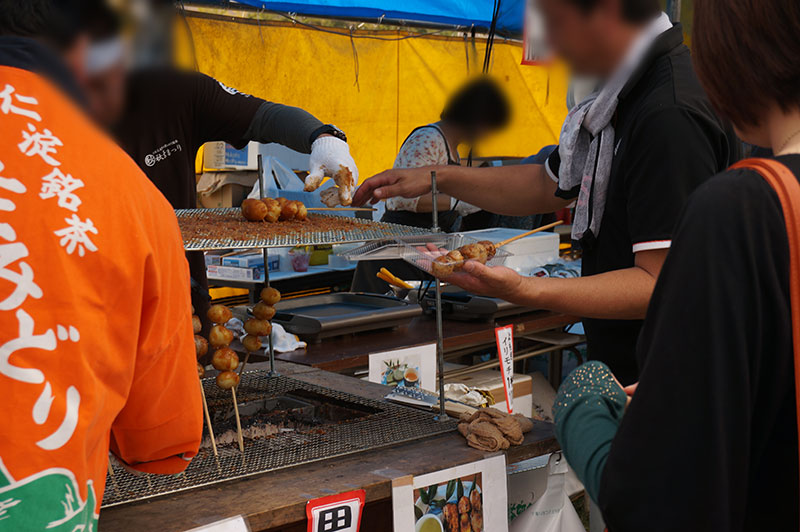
[[535, 250]]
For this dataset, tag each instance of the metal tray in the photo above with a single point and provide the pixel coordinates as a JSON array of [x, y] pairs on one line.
[[286, 234], [323, 316]]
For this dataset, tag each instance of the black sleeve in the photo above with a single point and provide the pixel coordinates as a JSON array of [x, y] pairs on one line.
[[667, 155], [290, 126], [552, 165], [220, 112], [716, 368]]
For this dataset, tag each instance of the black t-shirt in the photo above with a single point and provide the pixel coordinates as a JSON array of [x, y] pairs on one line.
[[710, 440], [170, 114], [669, 141]]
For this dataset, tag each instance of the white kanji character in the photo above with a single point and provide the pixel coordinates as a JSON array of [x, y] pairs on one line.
[[23, 280], [6, 105], [25, 340], [57, 184], [42, 144], [76, 234]]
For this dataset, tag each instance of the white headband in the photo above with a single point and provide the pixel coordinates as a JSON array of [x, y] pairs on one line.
[[104, 54]]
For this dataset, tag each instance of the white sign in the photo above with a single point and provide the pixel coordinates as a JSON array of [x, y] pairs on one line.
[[505, 353], [234, 524], [438, 501], [413, 367], [336, 513]]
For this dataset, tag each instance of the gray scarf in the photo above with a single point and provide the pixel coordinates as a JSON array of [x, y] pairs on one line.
[[586, 144]]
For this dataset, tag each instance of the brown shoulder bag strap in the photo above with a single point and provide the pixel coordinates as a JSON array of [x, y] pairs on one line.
[[788, 189]]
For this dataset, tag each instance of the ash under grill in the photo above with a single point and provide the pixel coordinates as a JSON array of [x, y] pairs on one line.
[[286, 423], [226, 229]]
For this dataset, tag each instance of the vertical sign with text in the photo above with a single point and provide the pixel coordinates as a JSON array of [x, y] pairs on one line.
[[505, 354]]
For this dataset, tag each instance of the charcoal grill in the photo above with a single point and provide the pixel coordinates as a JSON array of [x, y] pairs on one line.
[[324, 424], [361, 230]]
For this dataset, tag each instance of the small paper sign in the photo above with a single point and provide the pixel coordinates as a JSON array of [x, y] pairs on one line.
[[505, 353], [412, 367], [336, 513]]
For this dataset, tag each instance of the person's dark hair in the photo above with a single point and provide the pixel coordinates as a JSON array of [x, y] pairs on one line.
[[635, 11], [747, 56], [480, 103], [58, 22]]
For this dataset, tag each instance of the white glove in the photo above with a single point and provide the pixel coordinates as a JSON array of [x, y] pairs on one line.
[[330, 157]]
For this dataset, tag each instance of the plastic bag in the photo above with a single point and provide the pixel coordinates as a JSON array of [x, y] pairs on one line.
[[553, 511]]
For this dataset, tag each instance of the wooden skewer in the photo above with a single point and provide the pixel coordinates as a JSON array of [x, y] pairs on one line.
[[241, 368], [238, 422], [113, 477], [369, 209], [208, 418], [523, 235]]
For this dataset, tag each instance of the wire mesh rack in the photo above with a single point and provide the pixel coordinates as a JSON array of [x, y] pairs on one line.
[[225, 228], [379, 424]]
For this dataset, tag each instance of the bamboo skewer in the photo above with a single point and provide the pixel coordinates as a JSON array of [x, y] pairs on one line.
[[113, 477], [523, 235], [238, 422], [208, 418]]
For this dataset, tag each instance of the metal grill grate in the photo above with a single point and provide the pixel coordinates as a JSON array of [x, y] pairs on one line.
[[388, 425], [284, 234]]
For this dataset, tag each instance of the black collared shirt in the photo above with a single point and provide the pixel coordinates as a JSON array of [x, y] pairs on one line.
[[668, 141]]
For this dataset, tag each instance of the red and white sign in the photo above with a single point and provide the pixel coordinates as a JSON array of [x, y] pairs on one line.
[[505, 353], [336, 513]]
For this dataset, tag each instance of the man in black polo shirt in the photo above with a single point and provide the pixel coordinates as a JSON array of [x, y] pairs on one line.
[[630, 154]]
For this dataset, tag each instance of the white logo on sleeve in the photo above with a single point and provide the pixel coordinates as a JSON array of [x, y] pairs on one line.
[[231, 90]]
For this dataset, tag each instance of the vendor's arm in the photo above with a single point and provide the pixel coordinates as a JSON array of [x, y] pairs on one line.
[[587, 412], [517, 190], [620, 294]]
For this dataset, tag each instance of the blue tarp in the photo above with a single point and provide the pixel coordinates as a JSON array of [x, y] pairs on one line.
[[455, 12]]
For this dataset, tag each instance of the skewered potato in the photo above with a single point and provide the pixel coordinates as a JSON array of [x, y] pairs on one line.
[[219, 314], [201, 371], [491, 250], [258, 327], [289, 210], [254, 210], [273, 210], [220, 337], [197, 325], [442, 266], [270, 296], [252, 343], [200, 346], [282, 201], [302, 212], [262, 311], [474, 252], [225, 359], [227, 380]]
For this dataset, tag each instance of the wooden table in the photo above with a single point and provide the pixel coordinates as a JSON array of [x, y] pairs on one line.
[[352, 351], [276, 501]]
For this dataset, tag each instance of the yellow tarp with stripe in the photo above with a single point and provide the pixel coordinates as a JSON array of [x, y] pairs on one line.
[[375, 86]]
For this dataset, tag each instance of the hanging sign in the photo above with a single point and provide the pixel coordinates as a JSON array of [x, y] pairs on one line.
[[505, 354], [535, 48], [336, 513]]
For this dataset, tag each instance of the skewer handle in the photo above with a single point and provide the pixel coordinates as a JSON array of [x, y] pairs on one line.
[[238, 422], [208, 418], [523, 235]]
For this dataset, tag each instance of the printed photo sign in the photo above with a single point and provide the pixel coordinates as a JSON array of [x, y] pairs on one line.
[[413, 367]]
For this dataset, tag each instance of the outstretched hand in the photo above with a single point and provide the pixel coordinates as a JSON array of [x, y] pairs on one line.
[[399, 182]]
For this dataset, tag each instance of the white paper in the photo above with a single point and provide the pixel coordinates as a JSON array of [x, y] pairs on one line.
[[403, 366], [492, 486], [234, 524]]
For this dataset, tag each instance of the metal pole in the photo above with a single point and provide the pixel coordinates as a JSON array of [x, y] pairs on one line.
[[262, 190], [442, 416]]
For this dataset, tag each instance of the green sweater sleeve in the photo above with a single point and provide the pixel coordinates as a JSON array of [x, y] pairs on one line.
[[587, 411]]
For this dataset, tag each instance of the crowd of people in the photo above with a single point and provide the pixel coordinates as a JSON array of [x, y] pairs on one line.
[[686, 416]]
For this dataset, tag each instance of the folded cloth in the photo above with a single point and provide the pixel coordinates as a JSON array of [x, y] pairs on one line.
[[489, 429]]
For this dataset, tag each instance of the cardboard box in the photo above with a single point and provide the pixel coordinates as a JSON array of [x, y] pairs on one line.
[[224, 189], [222, 156], [233, 273], [490, 379]]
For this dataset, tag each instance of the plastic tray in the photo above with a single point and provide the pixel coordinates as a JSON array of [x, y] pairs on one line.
[[416, 251]]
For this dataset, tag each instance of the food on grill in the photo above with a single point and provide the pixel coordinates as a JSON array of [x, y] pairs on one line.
[[201, 371], [445, 265], [258, 327], [219, 314], [227, 380], [251, 343], [220, 337], [254, 210], [302, 212], [225, 359], [273, 210], [289, 210], [330, 196], [200, 346], [263, 311], [197, 325], [270, 296]]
